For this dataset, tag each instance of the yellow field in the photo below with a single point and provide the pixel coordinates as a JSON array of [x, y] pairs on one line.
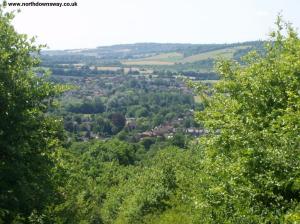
[[160, 59], [223, 53], [147, 63], [106, 68], [169, 57]]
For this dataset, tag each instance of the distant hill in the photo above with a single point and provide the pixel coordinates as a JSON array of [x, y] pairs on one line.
[[139, 50], [154, 55]]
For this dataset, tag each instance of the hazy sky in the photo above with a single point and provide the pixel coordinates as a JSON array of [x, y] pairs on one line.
[[104, 22]]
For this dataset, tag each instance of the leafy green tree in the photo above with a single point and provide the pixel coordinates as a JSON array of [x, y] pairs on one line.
[[28, 136], [118, 120], [88, 106], [91, 170], [147, 142], [159, 191], [102, 125], [251, 157], [179, 140]]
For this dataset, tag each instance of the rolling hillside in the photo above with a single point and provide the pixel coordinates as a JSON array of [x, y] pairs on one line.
[[178, 57], [175, 57]]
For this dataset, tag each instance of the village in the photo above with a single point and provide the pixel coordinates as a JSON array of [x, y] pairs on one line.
[[127, 96]]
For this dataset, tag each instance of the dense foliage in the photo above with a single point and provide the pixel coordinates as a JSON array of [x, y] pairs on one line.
[[87, 107], [251, 155], [28, 136]]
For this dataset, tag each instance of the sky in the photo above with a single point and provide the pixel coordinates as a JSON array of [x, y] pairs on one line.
[[96, 23]]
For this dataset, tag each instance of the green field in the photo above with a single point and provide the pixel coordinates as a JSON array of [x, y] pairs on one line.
[[176, 57]]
